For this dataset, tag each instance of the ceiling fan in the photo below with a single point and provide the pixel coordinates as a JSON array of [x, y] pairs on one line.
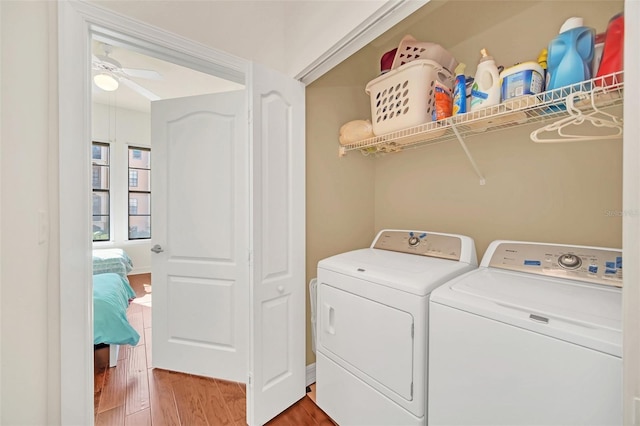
[[109, 73]]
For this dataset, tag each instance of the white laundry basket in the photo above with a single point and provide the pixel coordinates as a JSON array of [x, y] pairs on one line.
[[313, 284], [405, 97]]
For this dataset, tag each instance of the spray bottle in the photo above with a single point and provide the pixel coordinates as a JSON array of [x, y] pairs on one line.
[[460, 91], [486, 85]]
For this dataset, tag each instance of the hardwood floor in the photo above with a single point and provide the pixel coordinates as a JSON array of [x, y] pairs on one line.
[[133, 393]]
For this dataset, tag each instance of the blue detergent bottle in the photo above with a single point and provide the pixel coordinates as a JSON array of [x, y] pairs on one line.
[[570, 54]]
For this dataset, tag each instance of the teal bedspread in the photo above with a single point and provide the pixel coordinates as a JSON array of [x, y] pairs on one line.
[[111, 295]]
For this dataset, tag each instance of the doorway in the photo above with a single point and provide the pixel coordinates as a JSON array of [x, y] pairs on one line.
[[275, 255], [125, 82]]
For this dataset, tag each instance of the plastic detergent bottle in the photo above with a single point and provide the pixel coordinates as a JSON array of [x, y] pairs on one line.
[[486, 84], [570, 54], [611, 61], [460, 91]]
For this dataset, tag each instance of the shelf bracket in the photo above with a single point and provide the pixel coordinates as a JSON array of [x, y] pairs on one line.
[[466, 151]]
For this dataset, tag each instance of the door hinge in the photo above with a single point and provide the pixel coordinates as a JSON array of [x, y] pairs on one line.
[[249, 379], [411, 389], [412, 330], [250, 257]]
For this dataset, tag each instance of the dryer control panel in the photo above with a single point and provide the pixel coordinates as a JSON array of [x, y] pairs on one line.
[[422, 243], [582, 263]]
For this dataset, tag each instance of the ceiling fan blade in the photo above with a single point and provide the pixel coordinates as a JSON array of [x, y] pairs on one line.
[[150, 74], [144, 92]]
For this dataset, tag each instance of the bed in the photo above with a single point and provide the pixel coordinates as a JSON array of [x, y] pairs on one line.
[[112, 260], [112, 294]]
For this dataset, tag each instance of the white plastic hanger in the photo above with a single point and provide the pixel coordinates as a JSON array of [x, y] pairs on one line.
[[597, 118]]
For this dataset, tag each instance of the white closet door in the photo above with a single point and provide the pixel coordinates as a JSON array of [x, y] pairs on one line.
[[200, 215], [277, 314]]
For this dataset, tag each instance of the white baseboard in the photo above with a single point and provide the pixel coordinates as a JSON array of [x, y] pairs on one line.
[[311, 374]]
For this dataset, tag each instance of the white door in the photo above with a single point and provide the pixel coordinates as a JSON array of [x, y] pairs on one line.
[[200, 219], [277, 324]]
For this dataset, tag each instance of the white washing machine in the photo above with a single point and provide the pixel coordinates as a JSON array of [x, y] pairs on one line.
[[533, 336], [372, 311]]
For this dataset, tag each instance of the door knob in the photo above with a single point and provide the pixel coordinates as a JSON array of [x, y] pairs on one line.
[[157, 249]]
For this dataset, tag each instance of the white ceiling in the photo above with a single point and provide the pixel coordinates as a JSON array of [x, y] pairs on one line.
[[175, 82], [286, 35]]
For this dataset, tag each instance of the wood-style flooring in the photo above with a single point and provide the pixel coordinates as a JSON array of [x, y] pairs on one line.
[[134, 393]]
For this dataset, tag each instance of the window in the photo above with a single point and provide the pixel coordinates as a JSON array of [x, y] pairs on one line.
[[133, 178], [139, 193], [133, 206], [100, 186]]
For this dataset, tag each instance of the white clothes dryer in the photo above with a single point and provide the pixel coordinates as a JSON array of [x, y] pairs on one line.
[[533, 336], [372, 311]]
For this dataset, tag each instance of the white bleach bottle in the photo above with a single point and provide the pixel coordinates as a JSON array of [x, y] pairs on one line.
[[486, 83]]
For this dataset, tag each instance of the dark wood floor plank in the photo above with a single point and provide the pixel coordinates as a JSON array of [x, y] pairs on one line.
[[190, 409], [137, 381], [141, 418], [243, 388], [295, 415], [235, 400], [98, 383], [320, 417], [138, 281], [214, 406], [115, 386], [163, 405], [112, 417]]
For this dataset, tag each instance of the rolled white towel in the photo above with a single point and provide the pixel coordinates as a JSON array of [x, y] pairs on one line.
[[355, 131]]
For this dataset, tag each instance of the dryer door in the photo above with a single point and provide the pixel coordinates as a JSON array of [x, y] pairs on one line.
[[370, 339]]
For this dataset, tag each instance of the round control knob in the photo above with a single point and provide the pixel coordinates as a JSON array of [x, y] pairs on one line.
[[414, 241], [569, 261]]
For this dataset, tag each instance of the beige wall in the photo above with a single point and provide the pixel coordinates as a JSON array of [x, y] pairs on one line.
[[340, 203], [560, 193]]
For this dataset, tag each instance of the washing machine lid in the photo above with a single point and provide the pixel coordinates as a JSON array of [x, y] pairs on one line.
[[411, 273], [586, 314]]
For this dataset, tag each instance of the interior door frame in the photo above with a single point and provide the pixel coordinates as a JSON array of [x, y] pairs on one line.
[[77, 23]]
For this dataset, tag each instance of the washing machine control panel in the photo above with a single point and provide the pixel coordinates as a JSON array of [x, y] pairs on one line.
[[421, 243], [591, 264]]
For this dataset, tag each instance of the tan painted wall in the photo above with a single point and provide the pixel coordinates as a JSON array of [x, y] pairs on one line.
[[340, 204], [562, 193]]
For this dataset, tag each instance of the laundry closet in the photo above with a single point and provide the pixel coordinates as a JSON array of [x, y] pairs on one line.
[[555, 192]]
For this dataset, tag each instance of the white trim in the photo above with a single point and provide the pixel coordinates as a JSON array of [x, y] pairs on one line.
[[76, 337], [631, 218], [384, 18], [76, 22], [1, 382], [311, 374]]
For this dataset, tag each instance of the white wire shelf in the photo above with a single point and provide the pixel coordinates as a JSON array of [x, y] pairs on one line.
[[604, 92]]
